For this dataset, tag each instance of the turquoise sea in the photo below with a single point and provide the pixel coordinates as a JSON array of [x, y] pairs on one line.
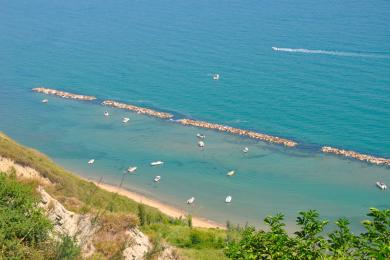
[[326, 83]]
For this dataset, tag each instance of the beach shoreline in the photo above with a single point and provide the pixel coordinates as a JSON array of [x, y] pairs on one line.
[[163, 207]]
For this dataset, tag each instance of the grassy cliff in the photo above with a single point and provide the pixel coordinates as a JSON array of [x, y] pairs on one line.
[[81, 196]]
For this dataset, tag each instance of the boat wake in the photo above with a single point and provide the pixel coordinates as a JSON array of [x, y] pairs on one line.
[[335, 53]]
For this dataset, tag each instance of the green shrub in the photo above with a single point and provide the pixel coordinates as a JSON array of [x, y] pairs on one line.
[[23, 226]]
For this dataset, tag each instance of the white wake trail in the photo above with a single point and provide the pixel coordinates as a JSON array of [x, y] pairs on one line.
[[335, 53]]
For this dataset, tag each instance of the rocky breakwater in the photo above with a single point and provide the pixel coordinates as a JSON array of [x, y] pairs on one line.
[[237, 131], [63, 94], [139, 110], [357, 156]]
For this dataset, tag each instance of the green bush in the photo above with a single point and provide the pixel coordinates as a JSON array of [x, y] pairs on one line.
[[23, 226], [309, 241], [67, 249]]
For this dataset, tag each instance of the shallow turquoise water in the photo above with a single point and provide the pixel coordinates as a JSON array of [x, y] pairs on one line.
[[162, 55]]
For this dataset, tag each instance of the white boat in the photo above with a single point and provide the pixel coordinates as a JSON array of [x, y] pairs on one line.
[[381, 185], [216, 76], [91, 161], [125, 120], [228, 199], [231, 173], [131, 169], [45, 101], [245, 150], [190, 200], [201, 144], [106, 113], [200, 136], [156, 163], [157, 178]]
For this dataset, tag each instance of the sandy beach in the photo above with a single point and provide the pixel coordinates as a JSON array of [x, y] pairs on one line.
[[166, 209]]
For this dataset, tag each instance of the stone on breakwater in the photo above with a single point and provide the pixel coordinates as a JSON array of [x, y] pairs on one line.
[[63, 94], [357, 156], [237, 131], [139, 110]]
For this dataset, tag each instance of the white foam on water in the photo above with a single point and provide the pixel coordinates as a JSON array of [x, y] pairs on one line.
[[335, 53]]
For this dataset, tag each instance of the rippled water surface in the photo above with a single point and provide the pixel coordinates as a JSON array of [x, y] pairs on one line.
[[325, 82]]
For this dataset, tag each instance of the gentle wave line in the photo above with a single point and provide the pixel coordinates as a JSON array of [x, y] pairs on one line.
[[335, 53]]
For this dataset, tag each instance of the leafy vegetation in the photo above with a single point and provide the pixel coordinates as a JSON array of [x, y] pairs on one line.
[[24, 229], [309, 242]]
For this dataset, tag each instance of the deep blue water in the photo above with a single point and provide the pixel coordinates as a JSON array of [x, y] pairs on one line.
[[161, 54]]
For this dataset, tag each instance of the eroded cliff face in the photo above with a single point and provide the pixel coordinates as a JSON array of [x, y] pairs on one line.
[[83, 227]]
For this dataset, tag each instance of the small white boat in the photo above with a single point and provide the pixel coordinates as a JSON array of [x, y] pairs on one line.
[[125, 120], [228, 199], [245, 150], [381, 185], [216, 76], [45, 101], [91, 161], [200, 136], [131, 169], [106, 113], [190, 200], [231, 173], [156, 163], [201, 144], [157, 178]]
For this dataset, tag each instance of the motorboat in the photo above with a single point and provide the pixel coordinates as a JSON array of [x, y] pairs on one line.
[[231, 173], [201, 144], [157, 178], [156, 163], [131, 169], [45, 101], [245, 150], [190, 200], [381, 185], [125, 120], [91, 161], [216, 76], [200, 136], [106, 113], [228, 199]]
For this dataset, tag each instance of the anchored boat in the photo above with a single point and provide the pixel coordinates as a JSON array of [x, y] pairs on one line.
[[231, 173], [91, 161], [125, 120], [45, 101], [190, 200], [228, 199], [381, 185], [156, 163], [245, 150], [106, 113], [200, 136], [201, 144], [216, 76], [157, 179], [131, 169]]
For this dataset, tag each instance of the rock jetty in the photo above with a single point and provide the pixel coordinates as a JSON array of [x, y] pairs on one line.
[[237, 131], [139, 110], [357, 156], [63, 94]]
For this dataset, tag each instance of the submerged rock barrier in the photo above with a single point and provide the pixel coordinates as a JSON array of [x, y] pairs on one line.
[[63, 94], [357, 156], [237, 131], [139, 110]]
